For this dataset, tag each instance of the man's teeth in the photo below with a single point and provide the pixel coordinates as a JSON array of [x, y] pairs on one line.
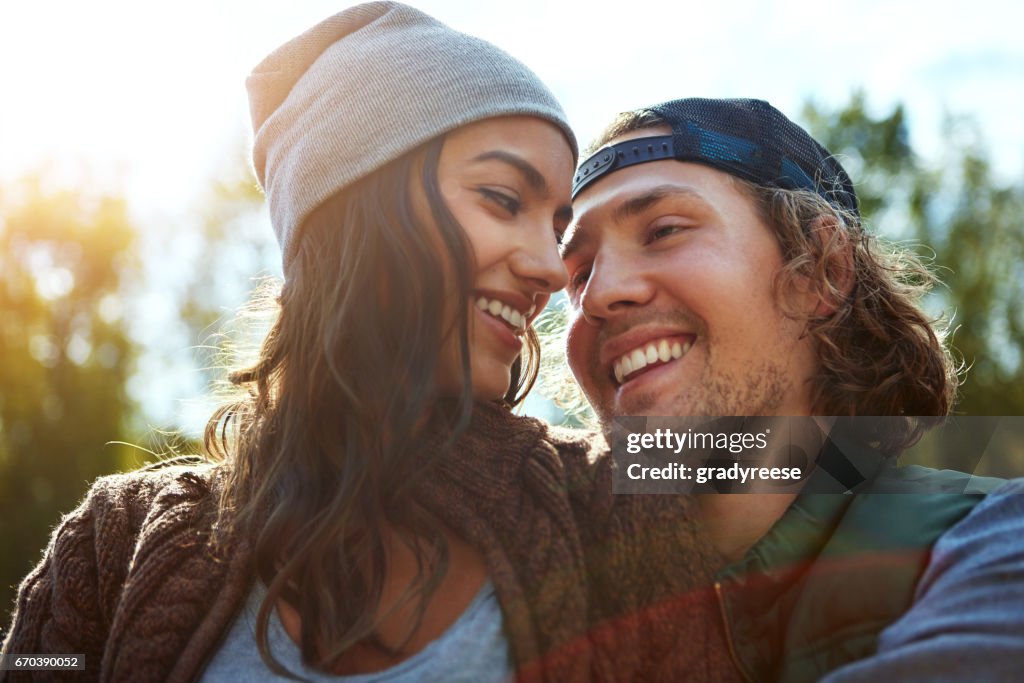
[[661, 351], [498, 309]]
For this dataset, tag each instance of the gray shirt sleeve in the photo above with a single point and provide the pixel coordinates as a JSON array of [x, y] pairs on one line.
[[967, 620]]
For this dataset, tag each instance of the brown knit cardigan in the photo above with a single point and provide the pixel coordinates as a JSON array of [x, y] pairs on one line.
[[593, 586]]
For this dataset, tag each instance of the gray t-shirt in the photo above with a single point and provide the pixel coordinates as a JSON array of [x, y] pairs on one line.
[[472, 649]]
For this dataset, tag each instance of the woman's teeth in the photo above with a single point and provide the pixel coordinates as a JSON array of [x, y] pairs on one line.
[[517, 319], [655, 352]]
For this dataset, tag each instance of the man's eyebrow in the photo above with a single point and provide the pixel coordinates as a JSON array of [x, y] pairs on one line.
[[533, 177], [640, 203], [631, 207]]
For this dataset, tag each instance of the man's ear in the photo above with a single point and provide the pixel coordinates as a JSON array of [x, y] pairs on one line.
[[834, 270]]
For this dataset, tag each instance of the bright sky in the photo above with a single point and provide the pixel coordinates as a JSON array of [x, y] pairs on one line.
[[148, 99], [151, 100]]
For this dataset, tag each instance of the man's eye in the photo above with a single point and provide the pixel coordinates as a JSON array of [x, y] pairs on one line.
[[508, 203], [663, 231]]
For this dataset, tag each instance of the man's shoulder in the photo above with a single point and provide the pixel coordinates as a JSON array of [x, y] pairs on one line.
[[911, 506], [925, 480], [998, 517]]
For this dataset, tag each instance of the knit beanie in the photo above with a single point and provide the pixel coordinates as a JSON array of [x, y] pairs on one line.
[[362, 88]]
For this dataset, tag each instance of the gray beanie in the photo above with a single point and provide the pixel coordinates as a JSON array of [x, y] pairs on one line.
[[365, 86]]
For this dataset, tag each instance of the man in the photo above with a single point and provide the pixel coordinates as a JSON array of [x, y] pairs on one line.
[[718, 266]]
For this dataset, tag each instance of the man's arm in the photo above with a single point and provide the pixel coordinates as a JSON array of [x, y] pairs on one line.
[[967, 620]]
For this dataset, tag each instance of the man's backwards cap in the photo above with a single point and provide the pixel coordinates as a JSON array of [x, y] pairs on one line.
[[749, 139]]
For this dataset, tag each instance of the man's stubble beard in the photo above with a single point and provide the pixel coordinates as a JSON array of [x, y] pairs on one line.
[[760, 391]]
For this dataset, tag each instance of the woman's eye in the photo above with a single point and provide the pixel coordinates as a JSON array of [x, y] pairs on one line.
[[579, 279], [507, 202]]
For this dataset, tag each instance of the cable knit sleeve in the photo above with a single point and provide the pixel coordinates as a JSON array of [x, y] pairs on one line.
[[65, 605]]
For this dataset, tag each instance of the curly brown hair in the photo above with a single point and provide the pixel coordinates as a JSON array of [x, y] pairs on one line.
[[879, 352]]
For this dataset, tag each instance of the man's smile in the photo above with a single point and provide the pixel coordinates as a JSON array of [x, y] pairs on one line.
[[650, 355]]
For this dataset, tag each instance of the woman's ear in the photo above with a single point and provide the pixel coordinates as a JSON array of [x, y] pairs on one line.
[[834, 273]]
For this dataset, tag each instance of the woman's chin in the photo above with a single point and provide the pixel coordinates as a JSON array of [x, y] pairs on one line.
[[485, 386], [491, 384], [489, 391]]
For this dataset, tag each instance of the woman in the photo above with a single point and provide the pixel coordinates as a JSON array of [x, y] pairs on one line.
[[377, 509]]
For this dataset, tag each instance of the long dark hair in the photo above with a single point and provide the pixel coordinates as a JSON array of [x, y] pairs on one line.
[[322, 452]]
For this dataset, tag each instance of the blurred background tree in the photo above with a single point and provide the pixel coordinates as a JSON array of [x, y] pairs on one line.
[[956, 215], [236, 247], [69, 271], [66, 261]]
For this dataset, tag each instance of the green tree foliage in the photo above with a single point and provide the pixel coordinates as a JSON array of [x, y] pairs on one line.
[[960, 216], [64, 359]]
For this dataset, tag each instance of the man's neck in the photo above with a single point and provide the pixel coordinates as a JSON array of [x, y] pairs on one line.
[[735, 522]]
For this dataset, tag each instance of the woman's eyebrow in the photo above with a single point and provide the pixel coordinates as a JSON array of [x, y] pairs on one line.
[[534, 178]]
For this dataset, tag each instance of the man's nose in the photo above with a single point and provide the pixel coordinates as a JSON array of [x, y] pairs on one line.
[[616, 284]]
